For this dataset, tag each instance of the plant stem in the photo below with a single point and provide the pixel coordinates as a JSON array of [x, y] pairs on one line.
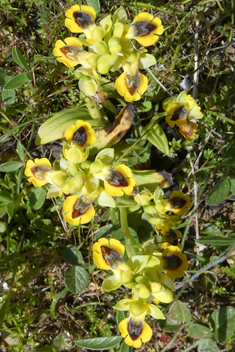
[[126, 232]]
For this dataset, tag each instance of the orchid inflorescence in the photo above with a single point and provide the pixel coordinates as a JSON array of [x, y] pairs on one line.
[[83, 183], [109, 48], [90, 175]]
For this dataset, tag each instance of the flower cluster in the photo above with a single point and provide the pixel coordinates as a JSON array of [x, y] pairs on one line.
[[109, 48], [181, 110], [148, 273]]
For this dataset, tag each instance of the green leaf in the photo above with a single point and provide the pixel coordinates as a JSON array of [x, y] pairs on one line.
[[8, 96], [61, 341], [95, 4], [16, 81], [72, 255], [2, 77], [5, 197], [207, 345], [132, 161], [228, 271], [4, 309], [3, 210], [99, 343], [56, 125], [10, 209], [56, 299], [157, 137], [169, 325], [19, 59], [198, 331], [125, 347], [20, 151], [124, 202], [229, 156], [217, 240], [180, 312], [37, 198], [10, 166], [232, 185], [76, 279], [223, 323], [120, 316], [219, 192], [146, 106]]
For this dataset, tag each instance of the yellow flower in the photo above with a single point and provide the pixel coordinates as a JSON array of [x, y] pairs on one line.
[[188, 130], [174, 262], [40, 172], [80, 19], [178, 203], [70, 52], [131, 84], [180, 109], [145, 29], [117, 180], [170, 238], [80, 135], [134, 331], [108, 255], [78, 209]]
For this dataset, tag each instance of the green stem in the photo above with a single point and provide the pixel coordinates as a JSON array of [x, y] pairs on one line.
[[126, 232]]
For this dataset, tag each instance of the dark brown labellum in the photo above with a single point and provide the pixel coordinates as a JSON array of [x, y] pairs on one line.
[[134, 328], [177, 202], [132, 82], [80, 136], [171, 261], [180, 113], [171, 237], [143, 28], [82, 19], [117, 179], [111, 256], [38, 171], [80, 207]]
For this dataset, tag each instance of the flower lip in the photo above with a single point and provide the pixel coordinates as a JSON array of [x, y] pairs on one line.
[[38, 171], [171, 262], [177, 202], [80, 136], [180, 113], [71, 51], [82, 19], [80, 208], [143, 28], [111, 256], [132, 82], [117, 179], [171, 237], [134, 328]]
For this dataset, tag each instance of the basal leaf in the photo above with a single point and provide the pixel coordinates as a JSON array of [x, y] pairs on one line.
[[198, 331], [72, 255], [8, 96], [180, 312], [232, 185], [10, 166], [19, 59], [95, 4], [16, 81], [223, 323], [217, 240], [37, 198], [56, 298], [54, 128], [76, 279], [207, 345], [99, 343], [219, 192], [157, 137]]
